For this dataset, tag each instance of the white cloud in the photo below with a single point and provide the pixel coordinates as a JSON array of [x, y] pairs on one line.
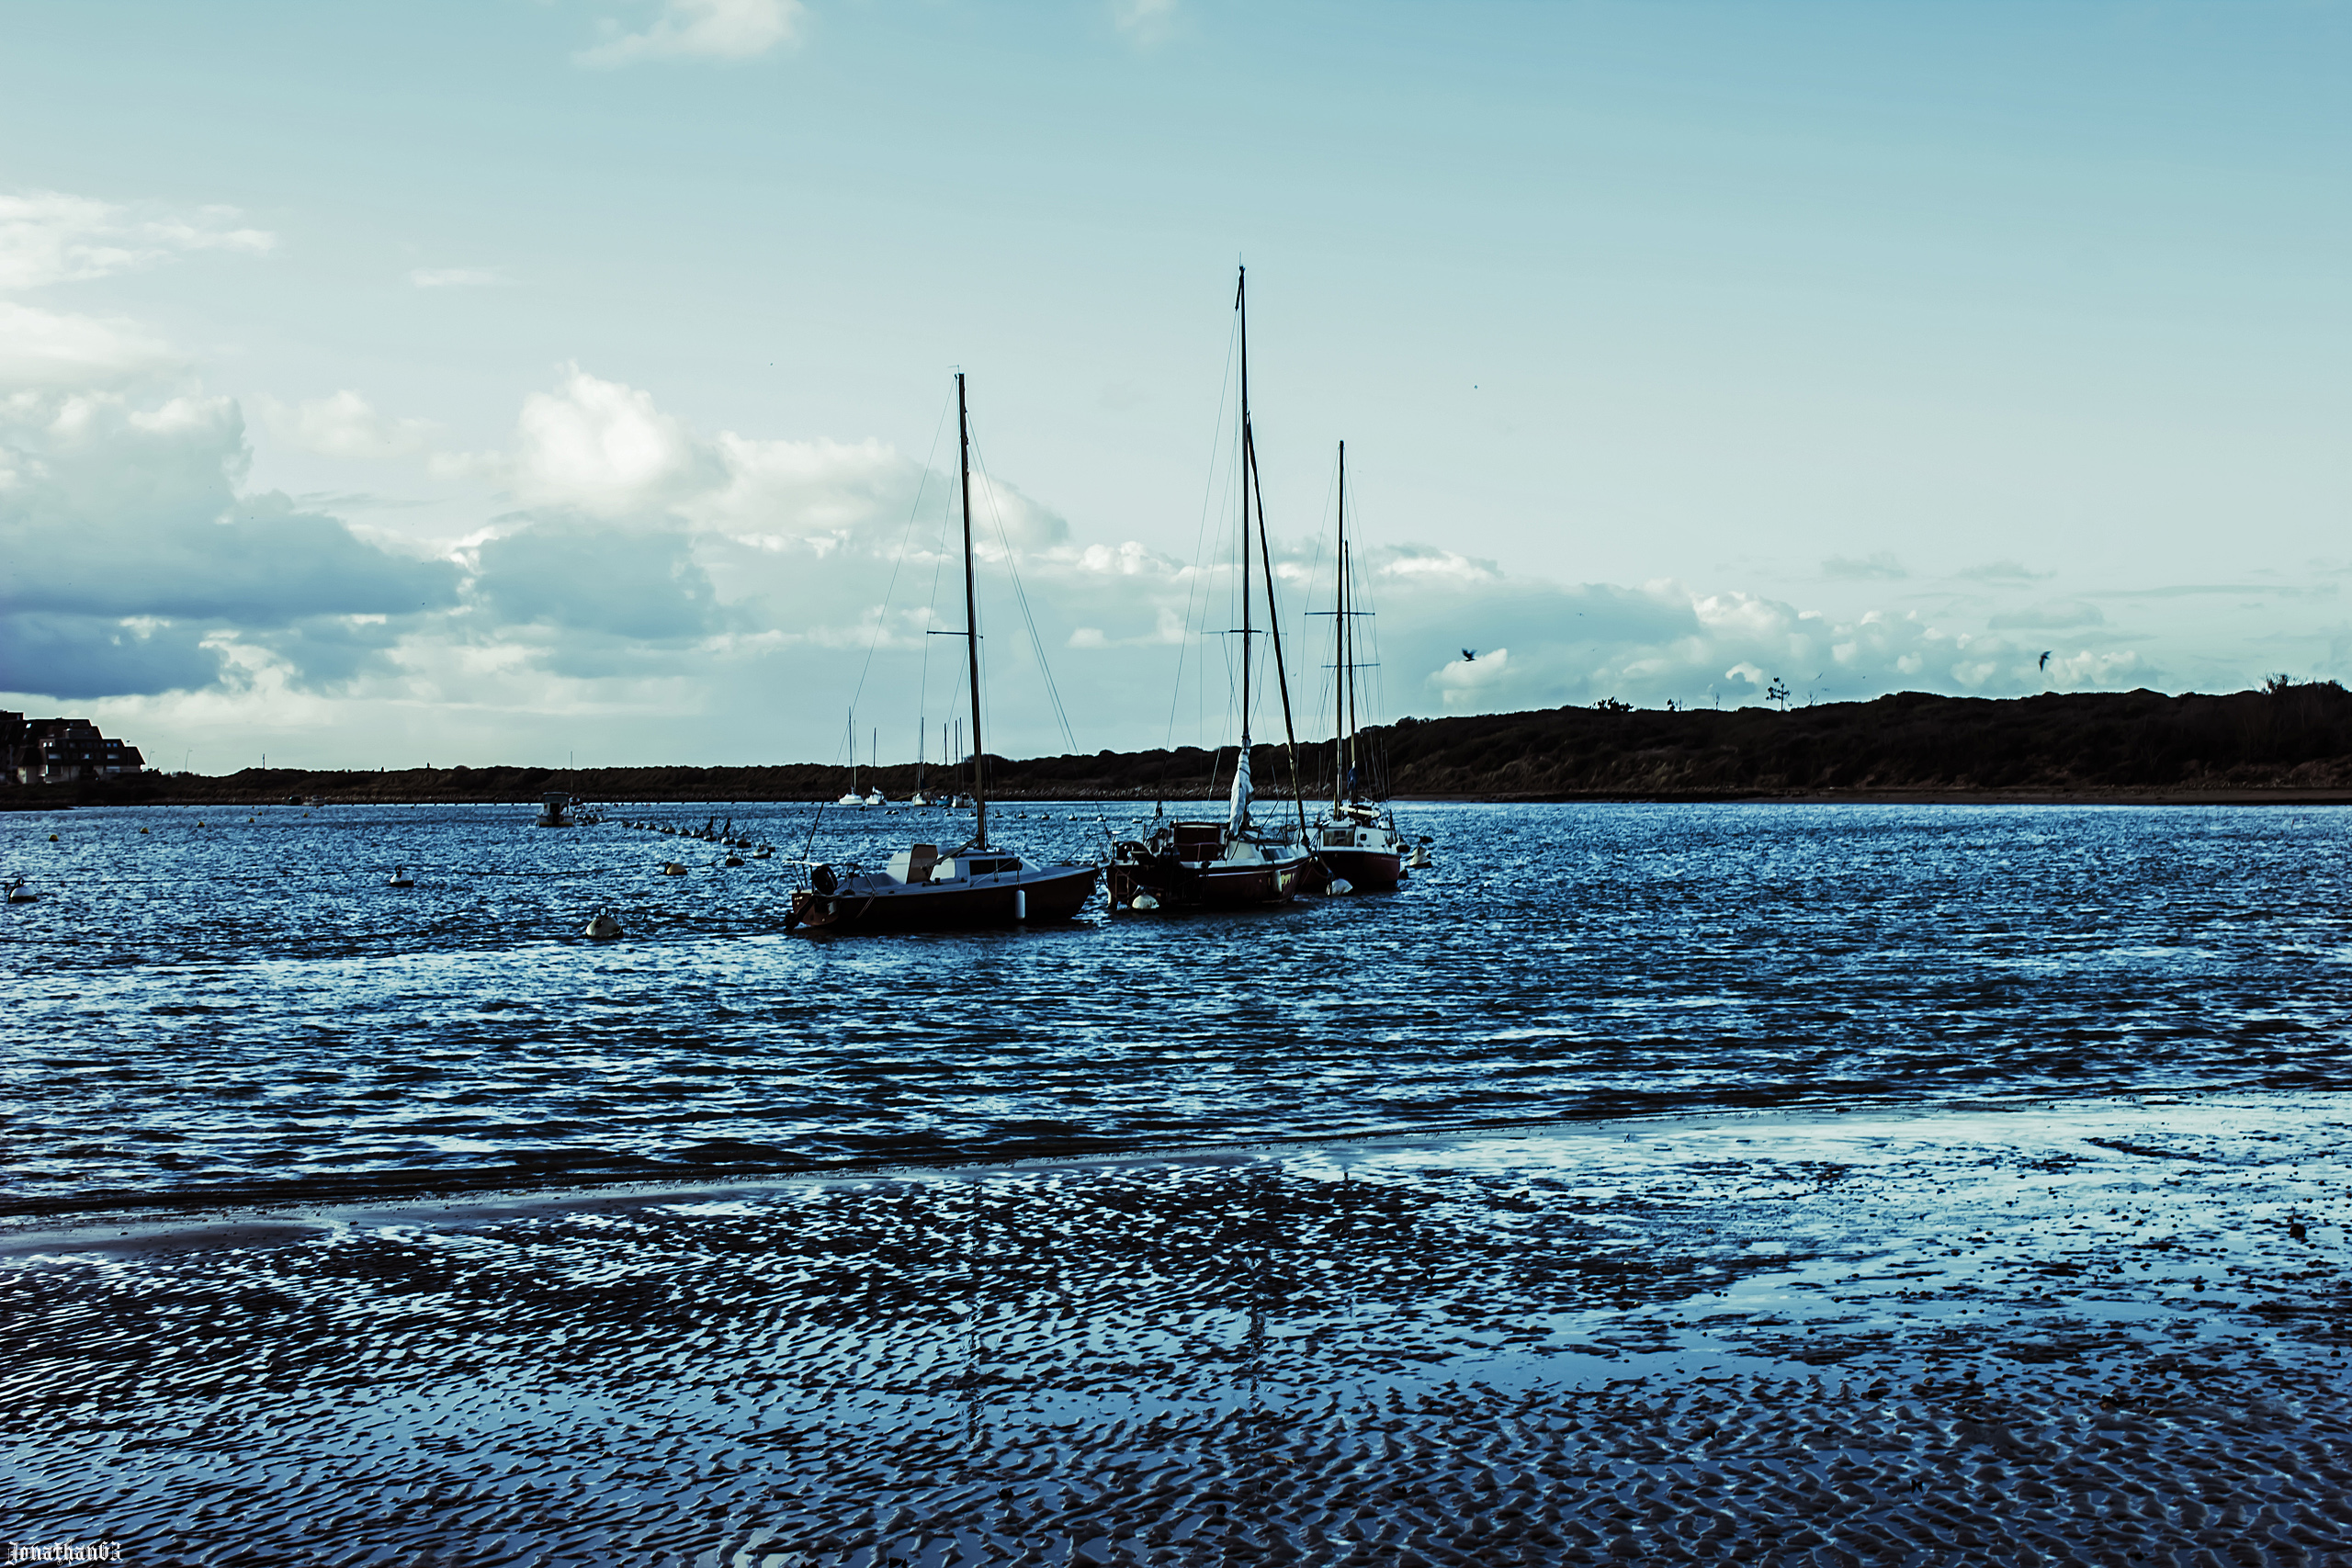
[[345, 425], [57, 349], [703, 29], [1470, 683], [603, 448], [457, 278], [49, 237]]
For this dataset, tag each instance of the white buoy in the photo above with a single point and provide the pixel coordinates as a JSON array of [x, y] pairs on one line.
[[1144, 902], [671, 868], [603, 928], [1340, 885], [401, 878]]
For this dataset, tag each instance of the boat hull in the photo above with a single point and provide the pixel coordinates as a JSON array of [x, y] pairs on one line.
[[1367, 871], [1049, 894], [1192, 885]]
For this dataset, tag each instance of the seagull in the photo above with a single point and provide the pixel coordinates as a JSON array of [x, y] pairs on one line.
[[2045, 659], [1469, 654]]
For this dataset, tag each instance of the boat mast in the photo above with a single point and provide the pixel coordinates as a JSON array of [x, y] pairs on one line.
[[1348, 590], [1339, 645], [1252, 488], [972, 621], [1242, 304]]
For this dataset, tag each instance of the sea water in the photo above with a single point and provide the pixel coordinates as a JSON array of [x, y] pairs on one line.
[[232, 1007]]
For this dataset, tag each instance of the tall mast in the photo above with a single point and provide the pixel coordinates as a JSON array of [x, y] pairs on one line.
[[1242, 304], [972, 621], [1339, 645], [1348, 589]]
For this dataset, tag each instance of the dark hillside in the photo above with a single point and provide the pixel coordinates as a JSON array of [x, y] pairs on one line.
[[2293, 742]]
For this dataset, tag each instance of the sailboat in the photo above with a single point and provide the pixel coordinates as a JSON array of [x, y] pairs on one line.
[[1356, 839], [874, 796], [852, 797], [976, 884], [1233, 863]]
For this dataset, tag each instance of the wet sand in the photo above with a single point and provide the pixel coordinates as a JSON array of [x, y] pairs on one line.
[[2094, 1333]]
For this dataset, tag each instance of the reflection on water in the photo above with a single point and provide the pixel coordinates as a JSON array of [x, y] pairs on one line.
[[245, 1008]]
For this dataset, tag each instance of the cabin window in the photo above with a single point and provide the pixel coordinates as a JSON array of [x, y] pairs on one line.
[[990, 867], [1337, 838]]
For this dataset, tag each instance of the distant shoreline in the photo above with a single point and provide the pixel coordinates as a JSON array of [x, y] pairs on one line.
[[2291, 744], [324, 796]]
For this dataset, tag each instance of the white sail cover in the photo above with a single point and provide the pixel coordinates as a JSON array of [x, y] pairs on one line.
[[1239, 818]]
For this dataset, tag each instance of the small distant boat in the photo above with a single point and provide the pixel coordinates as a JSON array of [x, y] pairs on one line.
[[552, 808], [874, 797], [399, 878]]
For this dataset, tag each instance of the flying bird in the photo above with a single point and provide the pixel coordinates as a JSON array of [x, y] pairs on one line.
[[2045, 658], [1469, 654]]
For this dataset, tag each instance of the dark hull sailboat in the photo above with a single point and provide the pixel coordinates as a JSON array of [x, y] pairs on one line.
[[1235, 862], [1193, 866], [973, 890], [974, 884]]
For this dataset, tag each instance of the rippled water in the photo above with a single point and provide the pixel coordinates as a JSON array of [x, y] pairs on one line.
[[243, 1011]]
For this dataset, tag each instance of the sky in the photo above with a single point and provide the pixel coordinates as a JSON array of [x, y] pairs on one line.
[[570, 381]]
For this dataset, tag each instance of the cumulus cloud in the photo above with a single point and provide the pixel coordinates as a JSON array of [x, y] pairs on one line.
[[134, 559], [603, 448], [345, 425], [702, 30], [638, 565]]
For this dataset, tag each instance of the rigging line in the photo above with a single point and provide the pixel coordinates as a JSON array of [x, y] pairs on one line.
[[1274, 625], [938, 566], [1193, 580], [1021, 594], [882, 612], [1314, 566]]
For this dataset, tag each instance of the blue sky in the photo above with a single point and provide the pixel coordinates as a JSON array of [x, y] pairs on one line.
[[505, 381]]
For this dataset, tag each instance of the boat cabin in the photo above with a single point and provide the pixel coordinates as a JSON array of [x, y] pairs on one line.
[[923, 864]]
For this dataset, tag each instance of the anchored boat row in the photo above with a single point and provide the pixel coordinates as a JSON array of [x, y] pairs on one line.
[[1237, 861]]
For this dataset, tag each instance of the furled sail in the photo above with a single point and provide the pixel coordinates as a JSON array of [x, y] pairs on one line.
[[1240, 816]]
